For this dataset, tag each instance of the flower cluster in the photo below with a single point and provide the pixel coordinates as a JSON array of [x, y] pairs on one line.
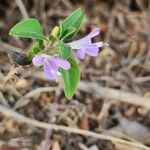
[[52, 64]]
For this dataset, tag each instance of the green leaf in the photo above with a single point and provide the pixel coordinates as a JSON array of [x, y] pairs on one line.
[[69, 32], [64, 50], [60, 30], [36, 50], [71, 78], [40, 44], [29, 28], [75, 20]]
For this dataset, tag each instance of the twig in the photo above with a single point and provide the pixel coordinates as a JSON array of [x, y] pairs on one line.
[[110, 25], [5, 47], [82, 146], [22, 9], [142, 79], [12, 74], [3, 100], [67, 3], [20, 118], [109, 93]]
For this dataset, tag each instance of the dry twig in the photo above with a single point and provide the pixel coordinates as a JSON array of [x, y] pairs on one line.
[[39, 124], [22, 9], [109, 93], [5, 47]]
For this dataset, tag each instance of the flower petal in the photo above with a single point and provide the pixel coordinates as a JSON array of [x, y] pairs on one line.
[[54, 68], [77, 44], [94, 33], [92, 52], [48, 73], [99, 44], [80, 53], [38, 60], [61, 62]]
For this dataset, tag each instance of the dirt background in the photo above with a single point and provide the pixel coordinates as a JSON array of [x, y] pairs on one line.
[[123, 66]]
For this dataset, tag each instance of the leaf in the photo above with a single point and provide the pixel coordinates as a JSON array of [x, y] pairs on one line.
[[40, 44], [60, 30], [29, 28], [68, 33], [72, 20], [36, 50], [75, 20], [71, 78], [64, 50]]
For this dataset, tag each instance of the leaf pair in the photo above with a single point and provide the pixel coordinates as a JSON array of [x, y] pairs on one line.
[[71, 25]]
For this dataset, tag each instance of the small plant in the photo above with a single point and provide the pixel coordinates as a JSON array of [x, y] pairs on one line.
[[54, 54]]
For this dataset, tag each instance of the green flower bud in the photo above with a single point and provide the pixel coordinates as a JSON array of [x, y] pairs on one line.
[[54, 33]]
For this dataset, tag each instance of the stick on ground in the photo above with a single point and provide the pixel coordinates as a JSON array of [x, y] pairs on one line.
[[109, 93], [39, 124]]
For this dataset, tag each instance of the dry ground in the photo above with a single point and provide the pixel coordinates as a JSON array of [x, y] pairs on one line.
[[113, 98]]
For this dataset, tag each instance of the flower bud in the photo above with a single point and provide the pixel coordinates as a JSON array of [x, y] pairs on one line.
[[55, 32]]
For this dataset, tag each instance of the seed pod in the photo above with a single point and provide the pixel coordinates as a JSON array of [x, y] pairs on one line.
[[19, 58]]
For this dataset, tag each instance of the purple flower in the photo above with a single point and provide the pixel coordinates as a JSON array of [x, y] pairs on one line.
[[51, 65], [85, 45]]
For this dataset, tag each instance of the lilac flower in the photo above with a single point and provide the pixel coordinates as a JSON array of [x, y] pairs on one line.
[[85, 45], [51, 65]]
